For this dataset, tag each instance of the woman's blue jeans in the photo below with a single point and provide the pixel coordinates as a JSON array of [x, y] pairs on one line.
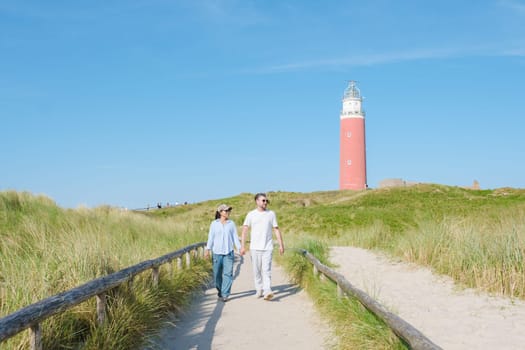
[[223, 273]]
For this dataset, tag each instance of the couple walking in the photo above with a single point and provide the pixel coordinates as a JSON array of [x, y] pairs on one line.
[[222, 238]]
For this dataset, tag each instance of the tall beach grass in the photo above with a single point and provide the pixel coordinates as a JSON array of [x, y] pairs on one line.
[[352, 325], [475, 236], [46, 250]]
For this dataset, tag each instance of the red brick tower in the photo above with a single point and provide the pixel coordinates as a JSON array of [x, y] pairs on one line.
[[352, 163]]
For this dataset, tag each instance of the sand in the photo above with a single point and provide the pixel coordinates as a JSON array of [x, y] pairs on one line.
[[288, 321], [451, 317]]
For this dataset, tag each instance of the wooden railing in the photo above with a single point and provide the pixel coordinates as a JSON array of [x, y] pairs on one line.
[[31, 316], [414, 338]]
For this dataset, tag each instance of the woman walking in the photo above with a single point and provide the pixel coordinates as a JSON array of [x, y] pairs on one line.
[[222, 238]]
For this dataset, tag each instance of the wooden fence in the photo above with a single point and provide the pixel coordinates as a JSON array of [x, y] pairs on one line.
[[31, 316], [414, 338]]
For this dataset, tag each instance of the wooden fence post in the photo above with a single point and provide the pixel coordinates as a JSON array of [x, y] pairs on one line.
[[316, 271], [36, 337], [188, 259], [32, 316], [170, 269], [414, 338], [101, 308], [340, 292], [155, 276]]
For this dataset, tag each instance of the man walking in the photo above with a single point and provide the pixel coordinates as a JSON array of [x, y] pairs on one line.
[[261, 221]]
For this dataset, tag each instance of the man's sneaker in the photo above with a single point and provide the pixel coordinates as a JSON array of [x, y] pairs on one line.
[[268, 296], [258, 294], [225, 299]]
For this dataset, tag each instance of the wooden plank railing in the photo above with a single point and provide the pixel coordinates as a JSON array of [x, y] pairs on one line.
[[413, 337], [31, 316]]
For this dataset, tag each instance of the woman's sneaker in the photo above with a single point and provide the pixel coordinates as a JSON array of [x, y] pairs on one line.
[[258, 294]]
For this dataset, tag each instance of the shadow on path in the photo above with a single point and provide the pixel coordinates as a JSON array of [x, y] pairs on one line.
[[183, 332], [212, 324], [284, 291]]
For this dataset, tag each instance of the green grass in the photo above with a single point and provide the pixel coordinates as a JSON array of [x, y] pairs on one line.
[[353, 326], [46, 250], [475, 236]]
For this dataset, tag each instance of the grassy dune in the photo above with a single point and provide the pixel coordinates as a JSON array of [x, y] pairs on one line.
[[475, 236], [45, 250]]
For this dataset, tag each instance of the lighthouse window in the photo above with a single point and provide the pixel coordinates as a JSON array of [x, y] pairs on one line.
[[349, 162], [349, 134]]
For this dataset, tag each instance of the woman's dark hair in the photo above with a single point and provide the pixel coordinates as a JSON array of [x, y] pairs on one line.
[[217, 215]]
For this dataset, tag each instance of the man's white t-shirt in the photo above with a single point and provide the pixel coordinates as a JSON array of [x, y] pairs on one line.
[[261, 224]]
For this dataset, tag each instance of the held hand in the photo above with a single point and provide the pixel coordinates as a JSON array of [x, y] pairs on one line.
[[206, 254], [242, 251]]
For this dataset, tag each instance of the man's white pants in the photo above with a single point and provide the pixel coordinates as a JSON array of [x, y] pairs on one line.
[[262, 270]]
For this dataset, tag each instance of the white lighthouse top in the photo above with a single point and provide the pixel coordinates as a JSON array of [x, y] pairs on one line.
[[352, 102], [352, 91]]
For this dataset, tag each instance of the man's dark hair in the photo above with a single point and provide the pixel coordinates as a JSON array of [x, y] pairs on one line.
[[260, 194]]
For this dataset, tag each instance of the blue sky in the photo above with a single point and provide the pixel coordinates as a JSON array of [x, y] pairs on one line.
[[134, 102]]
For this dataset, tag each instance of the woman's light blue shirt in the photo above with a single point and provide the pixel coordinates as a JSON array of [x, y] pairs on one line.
[[222, 238]]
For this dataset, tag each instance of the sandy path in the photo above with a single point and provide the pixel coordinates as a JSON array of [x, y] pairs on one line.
[[451, 318], [288, 321]]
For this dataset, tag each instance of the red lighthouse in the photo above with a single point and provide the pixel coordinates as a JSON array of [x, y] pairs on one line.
[[352, 163]]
